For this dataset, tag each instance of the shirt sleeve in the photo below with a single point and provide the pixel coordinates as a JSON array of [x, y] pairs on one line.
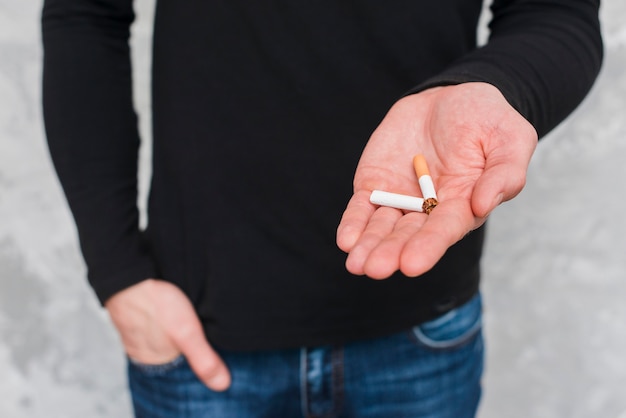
[[92, 134], [543, 55]]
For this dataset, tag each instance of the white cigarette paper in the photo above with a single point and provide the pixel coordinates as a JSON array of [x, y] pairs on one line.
[[427, 186], [398, 201]]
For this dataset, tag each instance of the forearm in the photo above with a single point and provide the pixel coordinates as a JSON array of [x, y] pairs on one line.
[[542, 55], [92, 134]]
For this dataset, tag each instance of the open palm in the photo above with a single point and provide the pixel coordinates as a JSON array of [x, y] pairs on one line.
[[478, 149]]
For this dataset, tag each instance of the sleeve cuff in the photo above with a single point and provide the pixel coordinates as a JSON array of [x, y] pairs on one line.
[[107, 284]]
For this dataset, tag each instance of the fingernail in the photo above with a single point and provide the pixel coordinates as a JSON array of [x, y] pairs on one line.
[[220, 382], [498, 200]]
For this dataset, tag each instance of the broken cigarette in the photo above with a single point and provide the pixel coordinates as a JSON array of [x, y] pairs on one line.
[[398, 201], [426, 183]]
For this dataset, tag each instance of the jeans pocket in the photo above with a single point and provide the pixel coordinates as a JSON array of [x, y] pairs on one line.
[[156, 369], [453, 329]]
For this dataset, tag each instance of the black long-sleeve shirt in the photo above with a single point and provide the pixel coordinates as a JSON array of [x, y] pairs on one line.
[[260, 112]]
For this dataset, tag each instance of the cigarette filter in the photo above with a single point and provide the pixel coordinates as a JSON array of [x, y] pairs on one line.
[[424, 178], [398, 201]]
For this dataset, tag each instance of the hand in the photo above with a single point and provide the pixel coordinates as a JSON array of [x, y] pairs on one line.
[[157, 323], [478, 149]]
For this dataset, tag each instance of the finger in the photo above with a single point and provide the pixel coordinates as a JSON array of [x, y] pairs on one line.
[[202, 359], [354, 220], [384, 259], [506, 166], [380, 225], [498, 183], [450, 221]]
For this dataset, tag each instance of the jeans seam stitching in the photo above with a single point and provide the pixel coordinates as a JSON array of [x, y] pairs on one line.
[[304, 389], [455, 342], [337, 379]]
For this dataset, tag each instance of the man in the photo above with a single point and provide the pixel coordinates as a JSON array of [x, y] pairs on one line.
[[235, 301]]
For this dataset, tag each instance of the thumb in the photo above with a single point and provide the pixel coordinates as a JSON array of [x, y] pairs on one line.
[[202, 358], [186, 332], [499, 182], [508, 146]]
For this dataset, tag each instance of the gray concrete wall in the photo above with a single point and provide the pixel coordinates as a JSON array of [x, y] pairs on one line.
[[554, 269]]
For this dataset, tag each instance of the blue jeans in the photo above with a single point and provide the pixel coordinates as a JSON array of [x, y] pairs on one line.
[[430, 371]]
